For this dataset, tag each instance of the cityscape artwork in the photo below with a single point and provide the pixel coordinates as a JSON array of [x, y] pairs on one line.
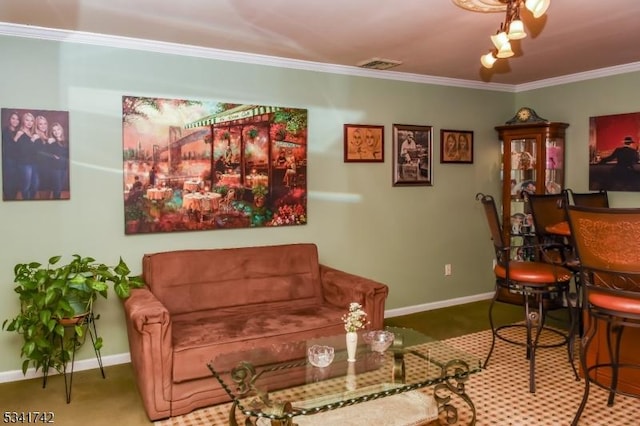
[[199, 165]]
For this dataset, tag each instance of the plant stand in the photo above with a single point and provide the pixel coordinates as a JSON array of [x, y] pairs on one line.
[[88, 323]]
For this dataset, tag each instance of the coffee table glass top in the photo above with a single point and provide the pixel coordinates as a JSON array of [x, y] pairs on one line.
[[277, 381]]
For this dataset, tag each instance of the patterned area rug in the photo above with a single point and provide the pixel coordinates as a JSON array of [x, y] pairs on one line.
[[501, 392]]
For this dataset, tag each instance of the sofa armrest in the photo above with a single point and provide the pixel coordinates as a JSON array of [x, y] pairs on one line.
[[341, 288], [150, 345]]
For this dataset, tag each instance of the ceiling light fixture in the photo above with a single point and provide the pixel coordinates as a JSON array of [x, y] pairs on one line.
[[511, 29]]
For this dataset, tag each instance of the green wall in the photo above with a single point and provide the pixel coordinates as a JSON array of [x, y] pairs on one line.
[[400, 236], [574, 103]]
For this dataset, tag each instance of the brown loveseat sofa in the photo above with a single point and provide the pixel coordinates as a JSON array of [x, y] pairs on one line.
[[198, 304]]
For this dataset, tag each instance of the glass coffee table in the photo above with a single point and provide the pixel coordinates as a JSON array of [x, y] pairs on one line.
[[276, 383]]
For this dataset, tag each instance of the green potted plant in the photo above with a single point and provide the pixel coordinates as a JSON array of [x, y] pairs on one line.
[[55, 296]]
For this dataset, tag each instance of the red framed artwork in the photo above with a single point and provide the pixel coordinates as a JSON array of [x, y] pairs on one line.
[[614, 152]]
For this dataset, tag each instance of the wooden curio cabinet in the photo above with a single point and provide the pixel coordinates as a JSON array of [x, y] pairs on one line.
[[532, 162]]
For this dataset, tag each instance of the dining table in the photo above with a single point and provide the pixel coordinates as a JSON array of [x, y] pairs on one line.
[[207, 202], [229, 179], [159, 193], [191, 185], [257, 180]]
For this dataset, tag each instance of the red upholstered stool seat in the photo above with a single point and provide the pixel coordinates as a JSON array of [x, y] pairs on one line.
[[533, 273]]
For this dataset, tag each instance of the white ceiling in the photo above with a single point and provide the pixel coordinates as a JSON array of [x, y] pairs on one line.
[[431, 37]]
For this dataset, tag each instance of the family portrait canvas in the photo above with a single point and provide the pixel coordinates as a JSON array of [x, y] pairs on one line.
[[209, 165], [613, 152], [35, 154]]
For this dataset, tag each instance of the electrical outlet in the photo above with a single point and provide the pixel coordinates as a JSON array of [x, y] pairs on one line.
[[447, 269]]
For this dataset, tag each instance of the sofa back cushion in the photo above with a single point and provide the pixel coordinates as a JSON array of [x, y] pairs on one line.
[[196, 280]]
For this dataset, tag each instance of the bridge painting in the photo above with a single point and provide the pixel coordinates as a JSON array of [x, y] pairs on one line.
[[202, 165]]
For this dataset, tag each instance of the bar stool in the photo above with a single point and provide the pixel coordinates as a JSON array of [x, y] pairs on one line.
[[537, 286], [607, 241], [548, 212]]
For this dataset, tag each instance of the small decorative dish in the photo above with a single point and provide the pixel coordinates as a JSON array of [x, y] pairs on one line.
[[320, 356], [378, 340]]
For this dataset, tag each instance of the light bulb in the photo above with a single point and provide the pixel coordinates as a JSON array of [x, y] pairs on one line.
[[488, 60], [537, 7], [499, 39], [505, 51], [516, 30]]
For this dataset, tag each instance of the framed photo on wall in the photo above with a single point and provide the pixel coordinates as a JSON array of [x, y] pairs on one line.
[[412, 155], [614, 153], [456, 146], [35, 154], [363, 143]]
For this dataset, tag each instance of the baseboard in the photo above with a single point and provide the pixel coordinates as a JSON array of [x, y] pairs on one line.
[[436, 305], [91, 363], [84, 364]]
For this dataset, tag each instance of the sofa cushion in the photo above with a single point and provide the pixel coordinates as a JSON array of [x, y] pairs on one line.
[[199, 280], [199, 337]]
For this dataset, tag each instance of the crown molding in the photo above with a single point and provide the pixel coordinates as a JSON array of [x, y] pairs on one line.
[[34, 32], [581, 76], [27, 31]]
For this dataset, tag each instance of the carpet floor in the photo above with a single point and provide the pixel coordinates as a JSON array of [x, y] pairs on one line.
[[501, 391]]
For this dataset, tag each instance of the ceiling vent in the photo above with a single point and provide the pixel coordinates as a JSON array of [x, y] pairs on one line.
[[379, 64]]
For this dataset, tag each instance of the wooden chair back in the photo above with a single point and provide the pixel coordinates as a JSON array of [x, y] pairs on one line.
[[589, 199], [495, 229], [547, 209], [607, 241]]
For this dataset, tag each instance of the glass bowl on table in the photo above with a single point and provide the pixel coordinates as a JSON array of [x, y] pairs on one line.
[[378, 340], [320, 356]]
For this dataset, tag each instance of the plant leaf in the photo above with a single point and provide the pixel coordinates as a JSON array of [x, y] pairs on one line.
[[122, 290], [28, 348], [59, 330], [45, 316]]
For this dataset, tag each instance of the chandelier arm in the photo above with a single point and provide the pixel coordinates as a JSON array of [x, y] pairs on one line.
[[513, 11], [511, 29]]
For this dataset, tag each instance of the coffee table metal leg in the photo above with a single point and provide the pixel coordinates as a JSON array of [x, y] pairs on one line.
[[398, 368], [279, 409], [454, 385], [232, 414]]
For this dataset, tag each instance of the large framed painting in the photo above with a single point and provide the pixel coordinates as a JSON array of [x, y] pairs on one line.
[[613, 152], [35, 154], [412, 155], [196, 165]]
